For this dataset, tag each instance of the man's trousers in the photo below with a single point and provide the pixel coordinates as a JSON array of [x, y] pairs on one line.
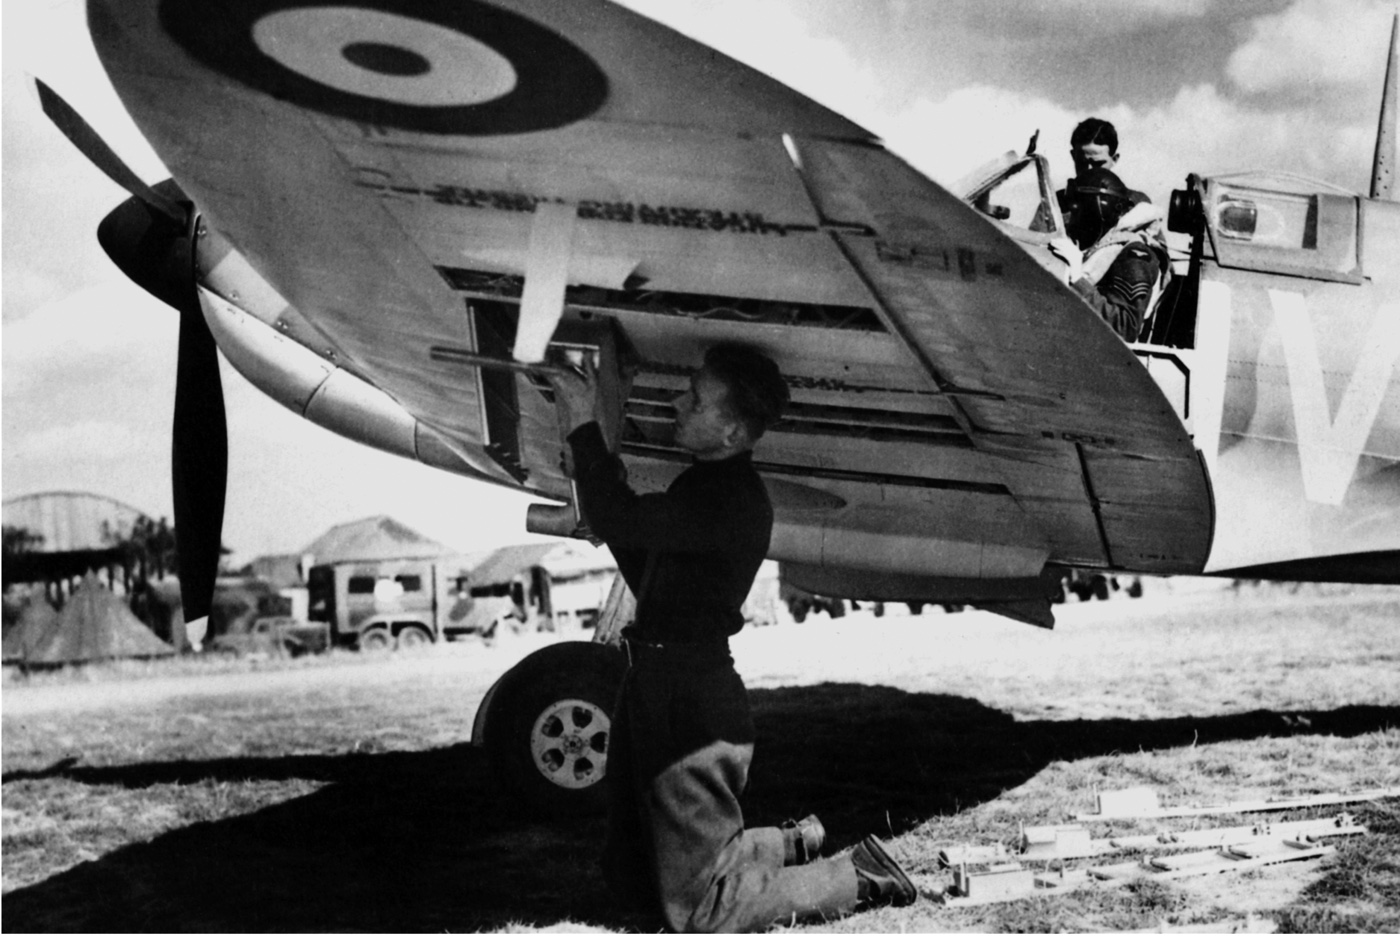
[[678, 759]]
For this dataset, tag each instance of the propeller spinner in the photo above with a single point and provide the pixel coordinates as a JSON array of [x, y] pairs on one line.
[[150, 237]]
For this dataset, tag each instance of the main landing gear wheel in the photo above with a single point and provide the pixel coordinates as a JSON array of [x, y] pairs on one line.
[[548, 726]]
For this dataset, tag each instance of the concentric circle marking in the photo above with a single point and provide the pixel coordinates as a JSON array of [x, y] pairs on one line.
[[330, 45], [431, 66], [386, 59]]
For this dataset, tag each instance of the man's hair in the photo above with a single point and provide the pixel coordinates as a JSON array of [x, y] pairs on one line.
[[756, 392], [1095, 130]]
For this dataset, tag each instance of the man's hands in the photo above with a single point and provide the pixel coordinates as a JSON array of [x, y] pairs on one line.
[[1069, 252], [577, 394]]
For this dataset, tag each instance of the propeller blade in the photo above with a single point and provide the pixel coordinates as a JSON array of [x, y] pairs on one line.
[[158, 256], [71, 124], [199, 461]]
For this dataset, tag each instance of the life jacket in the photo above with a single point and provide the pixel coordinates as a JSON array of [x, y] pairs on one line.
[[1141, 224]]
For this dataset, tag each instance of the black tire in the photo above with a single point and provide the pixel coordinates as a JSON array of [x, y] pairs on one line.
[[376, 640], [549, 724], [414, 637], [879, 609]]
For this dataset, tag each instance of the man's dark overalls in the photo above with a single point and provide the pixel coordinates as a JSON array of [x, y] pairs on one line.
[[682, 736]]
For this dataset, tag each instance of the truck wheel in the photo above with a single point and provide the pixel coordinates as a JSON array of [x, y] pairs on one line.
[[413, 637], [377, 640], [548, 727]]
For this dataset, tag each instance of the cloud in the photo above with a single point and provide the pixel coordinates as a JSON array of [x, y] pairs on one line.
[[87, 384], [88, 388], [819, 67], [1202, 127], [51, 42], [31, 287], [1081, 20], [1204, 131], [949, 137], [1305, 63], [53, 197], [113, 322], [90, 439], [1313, 45], [1137, 11], [1107, 15], [1199, 130]]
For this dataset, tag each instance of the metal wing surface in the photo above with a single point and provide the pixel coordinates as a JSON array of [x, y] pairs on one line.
[[1073, 418], [382, 167]]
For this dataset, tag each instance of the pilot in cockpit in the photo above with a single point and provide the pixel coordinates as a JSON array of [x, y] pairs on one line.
[[1116, 254], [1094, 145]]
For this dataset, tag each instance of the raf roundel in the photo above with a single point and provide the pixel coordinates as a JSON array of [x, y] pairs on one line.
[[461, 68]]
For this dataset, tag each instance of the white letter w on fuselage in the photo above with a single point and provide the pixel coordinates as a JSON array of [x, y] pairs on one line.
[[1329, 450]]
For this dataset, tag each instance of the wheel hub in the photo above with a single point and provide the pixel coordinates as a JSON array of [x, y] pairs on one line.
[[569, 743]]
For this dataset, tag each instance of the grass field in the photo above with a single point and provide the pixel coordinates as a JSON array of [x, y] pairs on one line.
[[338, 793]]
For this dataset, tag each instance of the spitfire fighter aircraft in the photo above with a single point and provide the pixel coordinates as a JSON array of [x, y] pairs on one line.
[[398, 217]]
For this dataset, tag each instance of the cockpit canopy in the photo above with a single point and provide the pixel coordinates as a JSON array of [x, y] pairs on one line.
[[1274, 223]]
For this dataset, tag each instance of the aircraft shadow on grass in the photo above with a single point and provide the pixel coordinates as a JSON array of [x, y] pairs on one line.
[[413, 841]]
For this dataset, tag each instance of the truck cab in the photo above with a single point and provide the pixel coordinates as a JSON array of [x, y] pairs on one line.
[[384, 604]]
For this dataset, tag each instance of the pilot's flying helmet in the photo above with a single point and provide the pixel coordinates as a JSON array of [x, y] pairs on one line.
[[1093, 204]]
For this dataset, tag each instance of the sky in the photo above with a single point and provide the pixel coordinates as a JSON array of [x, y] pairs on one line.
[[87, 360]]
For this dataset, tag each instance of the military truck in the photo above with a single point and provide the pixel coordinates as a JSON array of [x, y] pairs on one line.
[[400, 603], [250, 616]]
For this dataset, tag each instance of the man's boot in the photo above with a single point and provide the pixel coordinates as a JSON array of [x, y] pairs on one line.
[[802, 840], [879, 879]]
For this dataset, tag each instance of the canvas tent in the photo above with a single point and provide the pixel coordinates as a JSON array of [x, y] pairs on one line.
[[96, 625], [35, 623]]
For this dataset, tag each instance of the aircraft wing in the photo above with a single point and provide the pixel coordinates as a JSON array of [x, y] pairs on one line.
[[1036, 378], [399, 172]]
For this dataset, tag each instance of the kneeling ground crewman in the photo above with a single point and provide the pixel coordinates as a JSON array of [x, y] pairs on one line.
[[682, 735]]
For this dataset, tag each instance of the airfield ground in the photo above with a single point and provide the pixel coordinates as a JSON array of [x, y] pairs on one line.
[[337, 793]]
